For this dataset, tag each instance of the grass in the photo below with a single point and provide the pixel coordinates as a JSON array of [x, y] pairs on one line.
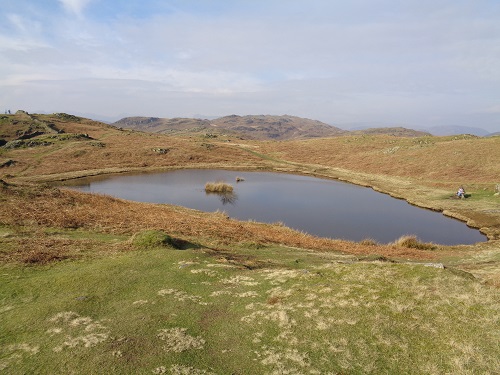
[[218, 187], [40, 207], [93, 284], [126, 314], [413, 242], [151, 239]]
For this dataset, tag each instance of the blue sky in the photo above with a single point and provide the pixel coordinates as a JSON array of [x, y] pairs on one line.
[[376, 62]]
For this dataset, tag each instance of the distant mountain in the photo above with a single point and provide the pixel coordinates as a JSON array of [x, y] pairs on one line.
[[396, 131], [162, 125], [493, 134], [453, 130], [277, 127], [253, 127], [434, 130]]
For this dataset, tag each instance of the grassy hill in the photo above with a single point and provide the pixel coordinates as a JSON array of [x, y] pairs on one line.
[[249, 127], [164, 125], [94, 284], [277, 127]]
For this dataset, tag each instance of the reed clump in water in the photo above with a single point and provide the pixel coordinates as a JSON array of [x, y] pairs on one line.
[[218, 187]]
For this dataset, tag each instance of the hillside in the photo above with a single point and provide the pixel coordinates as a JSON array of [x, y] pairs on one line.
[[163, 125], [277, 127], [23, 126], [257, 127], [416, 169], [260, 127], [94, 284]]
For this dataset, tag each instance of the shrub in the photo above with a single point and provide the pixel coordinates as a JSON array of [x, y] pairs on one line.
[[152, 238], [412, 242], [218, 187]]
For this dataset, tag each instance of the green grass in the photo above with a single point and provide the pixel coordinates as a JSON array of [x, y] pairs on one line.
[[167, 310], [152, 238]]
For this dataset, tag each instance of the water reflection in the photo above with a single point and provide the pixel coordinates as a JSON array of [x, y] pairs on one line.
[[225, 198], [321, 207]]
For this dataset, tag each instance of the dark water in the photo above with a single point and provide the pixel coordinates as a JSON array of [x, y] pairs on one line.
[[321, 207]]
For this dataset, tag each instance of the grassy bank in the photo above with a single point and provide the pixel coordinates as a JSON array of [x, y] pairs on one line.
[[168, 311]]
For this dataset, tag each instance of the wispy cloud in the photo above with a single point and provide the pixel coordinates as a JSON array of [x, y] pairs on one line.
[[412, 62], [75, 7]]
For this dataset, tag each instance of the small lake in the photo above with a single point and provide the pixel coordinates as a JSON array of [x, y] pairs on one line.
[[320, 207]]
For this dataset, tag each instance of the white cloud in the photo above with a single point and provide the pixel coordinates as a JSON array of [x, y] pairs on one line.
[[75, 7], [379, 60]]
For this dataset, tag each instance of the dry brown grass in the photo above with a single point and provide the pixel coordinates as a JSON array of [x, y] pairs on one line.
[[368, 242], [218, 187], [39, 207], [411, 168], [416, 169], [412, 242], [439, 161], [34, 246], [111, 149]]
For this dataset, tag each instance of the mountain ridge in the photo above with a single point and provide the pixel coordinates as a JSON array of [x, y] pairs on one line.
[[259, 127]]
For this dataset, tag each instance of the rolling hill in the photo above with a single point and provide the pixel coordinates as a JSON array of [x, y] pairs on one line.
[[259, 127]]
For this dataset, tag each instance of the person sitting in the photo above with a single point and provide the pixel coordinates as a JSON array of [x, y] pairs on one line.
[[461, 192]]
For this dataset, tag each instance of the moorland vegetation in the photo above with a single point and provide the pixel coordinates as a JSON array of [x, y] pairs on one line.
[[95, 284], [220, 187]]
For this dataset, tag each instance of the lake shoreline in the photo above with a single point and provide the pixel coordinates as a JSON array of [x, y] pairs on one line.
[[399, 188]]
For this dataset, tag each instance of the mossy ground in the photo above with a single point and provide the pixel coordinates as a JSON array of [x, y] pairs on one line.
[[164, 310]]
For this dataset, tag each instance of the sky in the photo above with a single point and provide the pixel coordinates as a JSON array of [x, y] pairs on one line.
[[413, 63]]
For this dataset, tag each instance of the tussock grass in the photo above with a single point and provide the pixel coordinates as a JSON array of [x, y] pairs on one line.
[[412, 242], [218, 187], [368, 242]]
